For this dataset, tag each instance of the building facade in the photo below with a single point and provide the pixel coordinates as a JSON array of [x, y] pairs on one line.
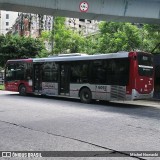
[[83, 26], [31, 25], [28, 24], [7, 19]]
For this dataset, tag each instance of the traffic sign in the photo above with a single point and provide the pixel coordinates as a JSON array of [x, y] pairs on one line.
[[84, 6]]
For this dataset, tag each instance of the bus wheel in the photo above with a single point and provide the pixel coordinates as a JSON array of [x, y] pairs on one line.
[[85, 95], [22, 90]]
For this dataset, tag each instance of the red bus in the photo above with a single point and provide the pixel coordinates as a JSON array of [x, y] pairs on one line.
[[114, 76]]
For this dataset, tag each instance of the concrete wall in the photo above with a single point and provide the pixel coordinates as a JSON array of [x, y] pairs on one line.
[[142, 11]]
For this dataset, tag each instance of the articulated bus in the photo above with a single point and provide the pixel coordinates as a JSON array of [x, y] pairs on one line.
[[115, 76]]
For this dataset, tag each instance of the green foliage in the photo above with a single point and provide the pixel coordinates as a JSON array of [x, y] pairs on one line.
[[125, 36], [113, 37], [91, 44], [116, 37], [65, 39], [151, 37], [46, 35], [14, 47], [1, 87]]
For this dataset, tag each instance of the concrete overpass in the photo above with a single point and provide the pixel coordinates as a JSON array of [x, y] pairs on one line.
[[140, 11]]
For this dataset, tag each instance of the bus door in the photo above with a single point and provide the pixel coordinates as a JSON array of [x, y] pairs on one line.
[[64, 80], [37, 80]]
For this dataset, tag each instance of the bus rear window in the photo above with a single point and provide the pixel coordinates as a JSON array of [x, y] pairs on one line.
[[146, 60], [145, 65]]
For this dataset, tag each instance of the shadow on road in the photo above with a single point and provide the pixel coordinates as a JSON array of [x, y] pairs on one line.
[[137, 109]]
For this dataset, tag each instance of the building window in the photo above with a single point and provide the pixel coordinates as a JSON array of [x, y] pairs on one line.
[[82, 20], [7, 23], [7, 16], [7, 29]]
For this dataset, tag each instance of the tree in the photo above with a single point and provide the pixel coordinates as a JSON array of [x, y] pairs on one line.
[[14, 47], [91, 44], [116, 37], [151, 37], [113, 37], [64, 39]]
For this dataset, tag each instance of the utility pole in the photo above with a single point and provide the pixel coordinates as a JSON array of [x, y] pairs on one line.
[[52, 36]]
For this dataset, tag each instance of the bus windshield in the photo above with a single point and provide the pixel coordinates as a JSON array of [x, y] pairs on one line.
[[145, 64]]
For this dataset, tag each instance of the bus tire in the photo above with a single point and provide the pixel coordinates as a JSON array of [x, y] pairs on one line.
[[85, 95], [22, 90]]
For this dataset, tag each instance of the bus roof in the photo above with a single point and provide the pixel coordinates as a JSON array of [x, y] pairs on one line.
[[74, 57], [82, 57], [20, 60]]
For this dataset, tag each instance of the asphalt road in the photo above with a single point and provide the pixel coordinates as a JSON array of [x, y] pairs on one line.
[[37, 123]]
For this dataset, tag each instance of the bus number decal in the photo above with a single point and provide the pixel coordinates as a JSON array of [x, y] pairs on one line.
[[100, 87]]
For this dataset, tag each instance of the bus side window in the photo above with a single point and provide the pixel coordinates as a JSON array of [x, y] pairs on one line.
[[111, 72], [47, 72], [98, 72], [28, 73], [79, 72], [84, 73], [118, 71], [124, 71], [55, 72], [75, 73], [10, 72], [20, 71], [50, 72]]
